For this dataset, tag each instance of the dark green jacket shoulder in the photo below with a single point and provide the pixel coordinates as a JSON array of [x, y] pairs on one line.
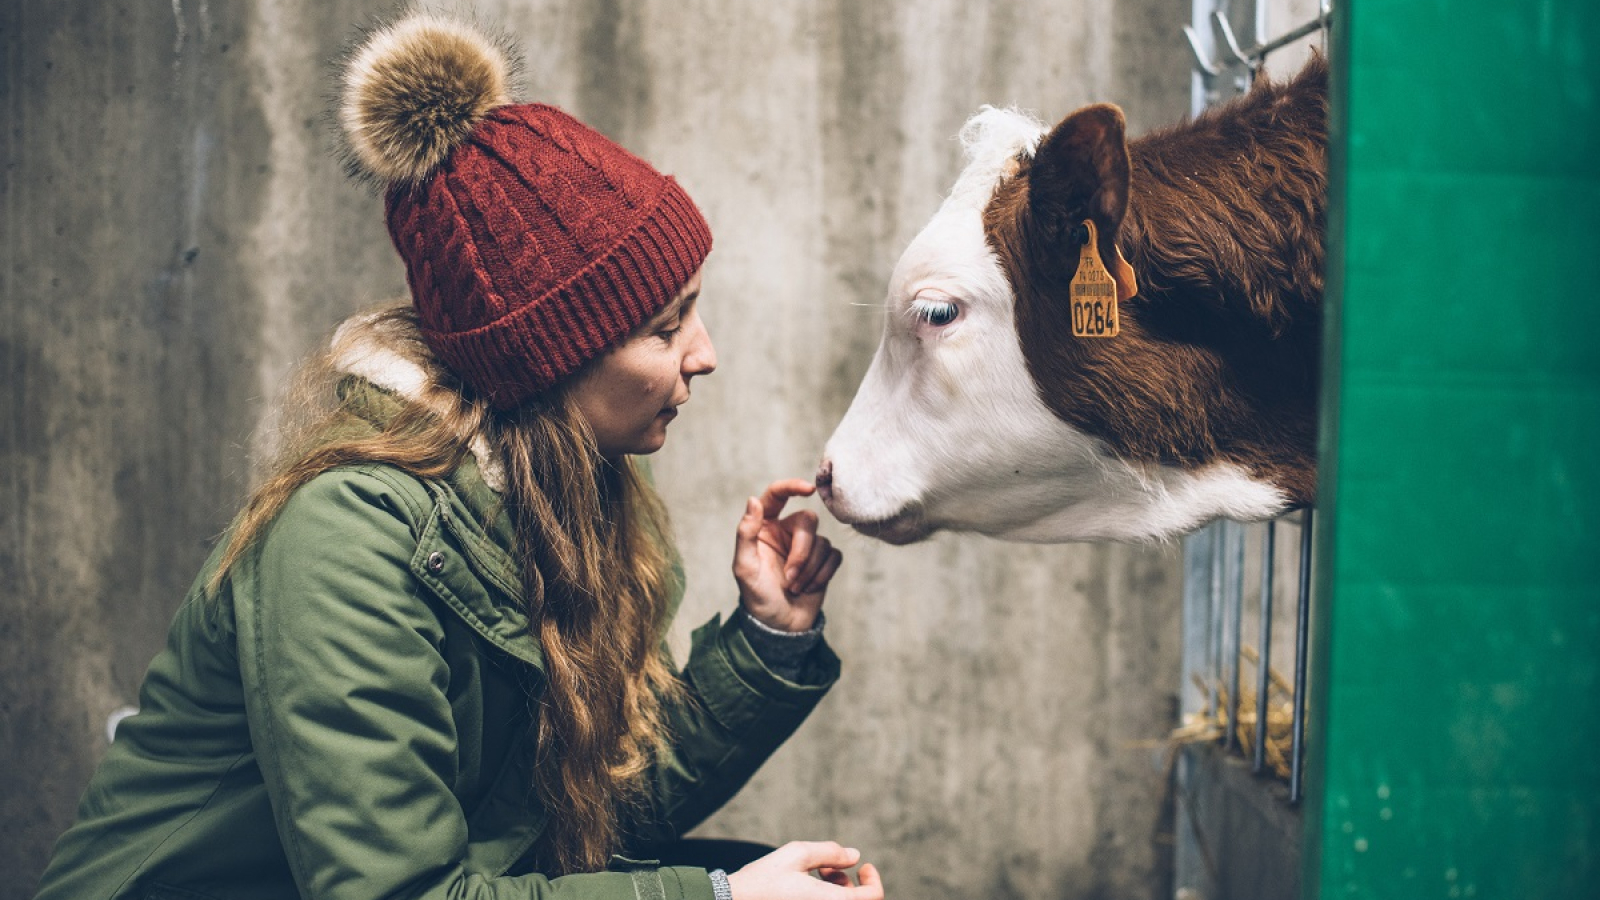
[[350, 718]]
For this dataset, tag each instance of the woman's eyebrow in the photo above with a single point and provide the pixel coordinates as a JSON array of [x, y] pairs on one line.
[[673, 309]]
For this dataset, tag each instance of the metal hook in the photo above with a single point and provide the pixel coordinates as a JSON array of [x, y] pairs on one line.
[[1250, 59], [1200, 61], [1232, 43]]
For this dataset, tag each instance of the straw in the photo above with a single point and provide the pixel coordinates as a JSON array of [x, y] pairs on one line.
[[1211, 724]]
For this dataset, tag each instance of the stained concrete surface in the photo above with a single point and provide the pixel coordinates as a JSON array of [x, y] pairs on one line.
[[176, 235], [1246, 836]]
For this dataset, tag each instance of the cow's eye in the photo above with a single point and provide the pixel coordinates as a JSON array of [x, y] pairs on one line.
[[937, 313]]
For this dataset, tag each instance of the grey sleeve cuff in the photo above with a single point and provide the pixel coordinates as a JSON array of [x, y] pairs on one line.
[[719, 885], [784, 652]]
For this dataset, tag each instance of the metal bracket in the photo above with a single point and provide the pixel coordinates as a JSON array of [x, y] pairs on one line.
[[1252, 58], [1200, 61], [1230, 42]]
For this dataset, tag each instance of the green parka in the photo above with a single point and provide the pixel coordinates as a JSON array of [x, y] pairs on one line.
[[349, 719]]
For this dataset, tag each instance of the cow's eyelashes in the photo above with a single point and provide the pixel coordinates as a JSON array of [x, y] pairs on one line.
[[937, 313]]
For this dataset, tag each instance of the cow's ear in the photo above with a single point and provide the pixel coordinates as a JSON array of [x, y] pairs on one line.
[[1080, 171]]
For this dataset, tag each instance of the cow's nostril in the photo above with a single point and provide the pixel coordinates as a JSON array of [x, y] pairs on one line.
[[825, 480]]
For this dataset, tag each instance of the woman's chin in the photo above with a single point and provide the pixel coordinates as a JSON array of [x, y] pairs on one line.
[[650, 442], [643, 442]]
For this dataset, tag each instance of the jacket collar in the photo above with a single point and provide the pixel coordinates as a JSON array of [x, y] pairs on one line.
[[382, 378], [361, 349], [463, 546], [487, 591], [466, 492], [469, 520]]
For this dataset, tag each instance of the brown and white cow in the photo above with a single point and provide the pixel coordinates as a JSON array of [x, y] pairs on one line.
[[982, 411]]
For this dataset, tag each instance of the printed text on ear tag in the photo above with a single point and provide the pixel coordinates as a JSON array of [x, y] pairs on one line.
[[1093, 292]]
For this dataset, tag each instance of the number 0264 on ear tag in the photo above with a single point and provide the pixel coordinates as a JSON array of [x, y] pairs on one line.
[[1093, 292]]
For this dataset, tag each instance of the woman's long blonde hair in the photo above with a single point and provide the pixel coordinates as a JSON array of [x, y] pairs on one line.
[[592, 540]]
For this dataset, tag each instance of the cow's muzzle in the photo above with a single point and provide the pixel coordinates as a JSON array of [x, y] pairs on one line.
[[906, 526]]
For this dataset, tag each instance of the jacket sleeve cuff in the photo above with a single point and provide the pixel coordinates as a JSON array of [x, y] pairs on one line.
[[693, 884], [785, 653], [720, 888], [649, 882], [738, 688]]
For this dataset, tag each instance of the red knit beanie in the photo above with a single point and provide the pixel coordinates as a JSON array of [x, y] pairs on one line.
[[532, 242]]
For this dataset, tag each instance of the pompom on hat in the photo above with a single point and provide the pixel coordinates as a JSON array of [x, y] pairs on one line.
[[532, 242]]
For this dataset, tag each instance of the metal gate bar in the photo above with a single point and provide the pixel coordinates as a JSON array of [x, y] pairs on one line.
[[1215, 572], [1264, 661], [1234, 599], [1225, 548], [1302, 628]]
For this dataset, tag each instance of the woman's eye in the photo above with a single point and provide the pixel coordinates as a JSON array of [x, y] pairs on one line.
[[937, 313]]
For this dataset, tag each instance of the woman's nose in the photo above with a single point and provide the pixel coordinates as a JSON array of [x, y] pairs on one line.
[[702, 356]]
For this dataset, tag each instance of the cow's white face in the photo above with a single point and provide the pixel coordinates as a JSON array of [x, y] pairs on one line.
[[947, 430]]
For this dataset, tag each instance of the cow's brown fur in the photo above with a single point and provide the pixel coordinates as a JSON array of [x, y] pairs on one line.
[[1222, 219]]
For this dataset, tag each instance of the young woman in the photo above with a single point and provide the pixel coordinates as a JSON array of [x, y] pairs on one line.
[[428, 659]]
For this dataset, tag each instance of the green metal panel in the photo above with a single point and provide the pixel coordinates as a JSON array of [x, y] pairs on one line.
[[1456, 719]]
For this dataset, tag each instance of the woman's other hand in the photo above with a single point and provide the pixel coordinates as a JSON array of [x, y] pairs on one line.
[[785, 874], [782, 565]]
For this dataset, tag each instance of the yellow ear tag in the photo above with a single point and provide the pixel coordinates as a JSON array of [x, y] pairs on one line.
[[1094, 292]]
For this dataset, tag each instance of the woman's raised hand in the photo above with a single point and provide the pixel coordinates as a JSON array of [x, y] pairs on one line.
[[782, 565], [785, 874]]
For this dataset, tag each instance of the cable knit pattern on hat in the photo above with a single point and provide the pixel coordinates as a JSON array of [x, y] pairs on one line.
[[539, 244], [536, 243]]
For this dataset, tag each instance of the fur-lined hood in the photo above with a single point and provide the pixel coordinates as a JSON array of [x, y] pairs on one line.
[[368, 345]]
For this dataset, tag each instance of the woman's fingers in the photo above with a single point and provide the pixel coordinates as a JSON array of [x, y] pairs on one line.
[[747, 534], [802, 529], [773, 877], [871, 883], [835, 876], [779, 492], [750, 523], [779, 559], [809, 855], [867, 886], [827, 566], [805, 576]]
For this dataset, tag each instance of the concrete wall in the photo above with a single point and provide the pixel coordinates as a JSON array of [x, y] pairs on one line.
[[176, 235]]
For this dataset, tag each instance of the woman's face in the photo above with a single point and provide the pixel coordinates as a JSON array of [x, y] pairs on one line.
[[629, 395]]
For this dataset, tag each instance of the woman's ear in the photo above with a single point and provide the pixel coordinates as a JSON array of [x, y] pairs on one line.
[[1081, 171]]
